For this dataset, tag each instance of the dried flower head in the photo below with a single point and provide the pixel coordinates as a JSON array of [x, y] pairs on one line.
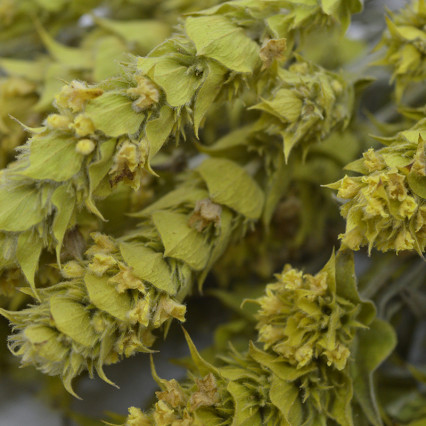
[[385, 208], [304, 320]]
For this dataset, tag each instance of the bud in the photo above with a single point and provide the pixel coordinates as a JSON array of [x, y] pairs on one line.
[[75, 96], [85, 146], [58, 121], [83, 126], [145, 92]]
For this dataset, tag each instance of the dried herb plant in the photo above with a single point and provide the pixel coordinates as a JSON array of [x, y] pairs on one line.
[[170, 146]]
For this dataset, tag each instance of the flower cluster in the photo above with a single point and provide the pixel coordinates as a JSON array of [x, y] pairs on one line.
[[282, 384], [405, 44], [302, 320], [128, 287], [385, 208], [306, 105]]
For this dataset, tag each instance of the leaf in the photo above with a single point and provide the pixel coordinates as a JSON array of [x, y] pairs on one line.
[[341, 409], [20, 208], [396, 159], [54, 6], [218, 38], [246, 412], [73, 319], [46, 341], [417, 184], [237, 373], [149, 266], [180, 240], [278, 184], [285, 105], [70, 56], [208, 92], [205, 417], [174, 78], [220, 244], [64, 201], [345, 275], [231, 185], [158, 130], [373, 346], [105, 67], [105, 297], [281, 369], [146, 33], [234, 139], [97, 172], [99, 169], [31, 70], [357, 166], [54, 77], [285, 396], [346, 285], [113, 114], [202, 365], [106, 347], [28, 253], [52, 156], [181, 195]]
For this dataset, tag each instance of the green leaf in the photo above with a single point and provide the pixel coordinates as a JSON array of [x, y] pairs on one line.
[[105, 67], [73, 319], [237, 373], [202, 365], [218, 38], [373, 346], [146, 33], [357, 166], [113, 114], [149, 266], [180, 240], [179, 196], [231, 185], [70, 56], [208, 92], [346, 285], [21, 208], [341, 409], [281, 369], [173, 77], [54, 77], [46, 341], [246, 412], [277, 185], [285, 396], [205, 417], [285, 105], [234, 139], [52, 156], [98, 170], [64, 200], [28, 253], [220, 243], [345, 275], [417, 184], [158, 130], [396, 159], [105, 297], [31, 70]]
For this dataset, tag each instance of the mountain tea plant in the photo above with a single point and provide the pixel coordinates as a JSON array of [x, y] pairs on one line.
[[252, 155]]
